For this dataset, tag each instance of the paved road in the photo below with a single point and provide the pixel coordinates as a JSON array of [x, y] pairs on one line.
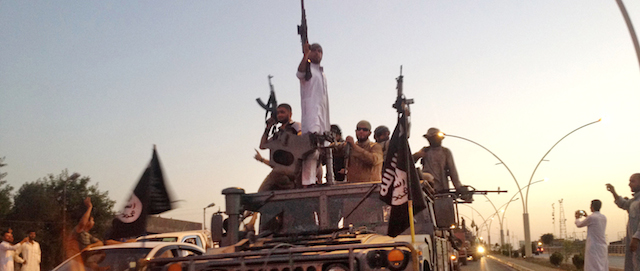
[[614, 261], [485, 264]]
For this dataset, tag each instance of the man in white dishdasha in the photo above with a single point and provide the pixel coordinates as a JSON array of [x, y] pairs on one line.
[[314, 106]]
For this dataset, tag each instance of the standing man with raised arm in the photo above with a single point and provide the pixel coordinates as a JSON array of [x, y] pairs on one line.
[[314, 105], [7, 250], [632, 205]]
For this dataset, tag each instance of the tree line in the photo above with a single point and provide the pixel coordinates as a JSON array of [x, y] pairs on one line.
[[40, 205]]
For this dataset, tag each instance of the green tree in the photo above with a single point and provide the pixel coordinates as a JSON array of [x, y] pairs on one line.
[[40, 205], [5, 192], [547, 238]]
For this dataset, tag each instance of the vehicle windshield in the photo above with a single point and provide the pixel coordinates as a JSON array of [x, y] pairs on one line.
[[105, 259], [159, 239], [312, 215]]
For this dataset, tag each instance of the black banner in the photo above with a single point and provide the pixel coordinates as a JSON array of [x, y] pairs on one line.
[[398, 178], [150, 197]]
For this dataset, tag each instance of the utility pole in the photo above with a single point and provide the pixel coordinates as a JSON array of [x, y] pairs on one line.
[[563, 222], [553, 217]]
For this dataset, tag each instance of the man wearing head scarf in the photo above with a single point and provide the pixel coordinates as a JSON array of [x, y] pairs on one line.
[[437, 163]]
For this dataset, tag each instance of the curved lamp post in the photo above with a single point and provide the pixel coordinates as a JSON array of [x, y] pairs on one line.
[[632, 32], [71, 178], [501, 218], [494, 155], [525, 215]]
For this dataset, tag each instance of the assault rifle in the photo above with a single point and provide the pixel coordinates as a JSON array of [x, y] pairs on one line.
[[402, 103], [272, 105], [302, 31]]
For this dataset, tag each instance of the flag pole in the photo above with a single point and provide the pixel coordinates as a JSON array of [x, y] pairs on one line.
[[411, 225], [402, 106], [410, 169]]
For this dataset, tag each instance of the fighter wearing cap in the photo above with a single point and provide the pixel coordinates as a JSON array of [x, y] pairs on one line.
[[365, 157], [437, 163]]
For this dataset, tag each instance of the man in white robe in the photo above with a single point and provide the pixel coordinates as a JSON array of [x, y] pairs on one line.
[[314, 106], [31, 253], [7, 251], [632, 205], [596, 257]]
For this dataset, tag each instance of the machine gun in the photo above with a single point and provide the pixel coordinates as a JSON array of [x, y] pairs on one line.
[[302, 31], [271, 106], [446, 204], [459, 198]]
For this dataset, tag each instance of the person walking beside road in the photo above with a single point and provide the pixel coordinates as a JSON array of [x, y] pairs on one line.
[[631, 256], [31, 253], [7, 250], [596, 257]]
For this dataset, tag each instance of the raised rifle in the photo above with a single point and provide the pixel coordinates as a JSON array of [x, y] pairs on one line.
[[302, 31], [402, 103], [271, 106]]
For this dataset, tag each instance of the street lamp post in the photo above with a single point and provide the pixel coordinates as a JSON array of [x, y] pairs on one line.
[[525, 215], [204, 219], [72, 178], [501, 219]]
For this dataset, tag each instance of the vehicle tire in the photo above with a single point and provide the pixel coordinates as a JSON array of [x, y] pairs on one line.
[[463, 261], [425, 266]]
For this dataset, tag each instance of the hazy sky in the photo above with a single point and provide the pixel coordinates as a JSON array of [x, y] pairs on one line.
[[90, 86]]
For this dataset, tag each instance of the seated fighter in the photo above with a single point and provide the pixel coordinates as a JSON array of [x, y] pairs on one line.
[[278, 179]]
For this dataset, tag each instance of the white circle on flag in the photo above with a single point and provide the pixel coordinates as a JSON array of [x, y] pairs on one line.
[[132, 210]]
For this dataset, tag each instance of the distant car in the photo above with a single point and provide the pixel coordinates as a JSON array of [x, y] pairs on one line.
[[478, 252], [199, 238], [126, 256]]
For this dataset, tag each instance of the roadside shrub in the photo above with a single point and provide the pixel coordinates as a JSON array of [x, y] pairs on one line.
[[578, 261], [515, 254], [556, 258]]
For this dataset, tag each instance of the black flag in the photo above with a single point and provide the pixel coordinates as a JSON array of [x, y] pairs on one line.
[[398, 178], [150, 197]]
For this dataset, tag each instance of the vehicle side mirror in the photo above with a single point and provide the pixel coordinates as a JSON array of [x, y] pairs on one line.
[[444, 211], [216, 228]]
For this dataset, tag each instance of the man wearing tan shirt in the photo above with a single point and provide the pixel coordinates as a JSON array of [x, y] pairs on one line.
[[365, 157]]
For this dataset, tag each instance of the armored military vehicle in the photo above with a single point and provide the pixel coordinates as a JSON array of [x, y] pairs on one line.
[[325, 228]]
